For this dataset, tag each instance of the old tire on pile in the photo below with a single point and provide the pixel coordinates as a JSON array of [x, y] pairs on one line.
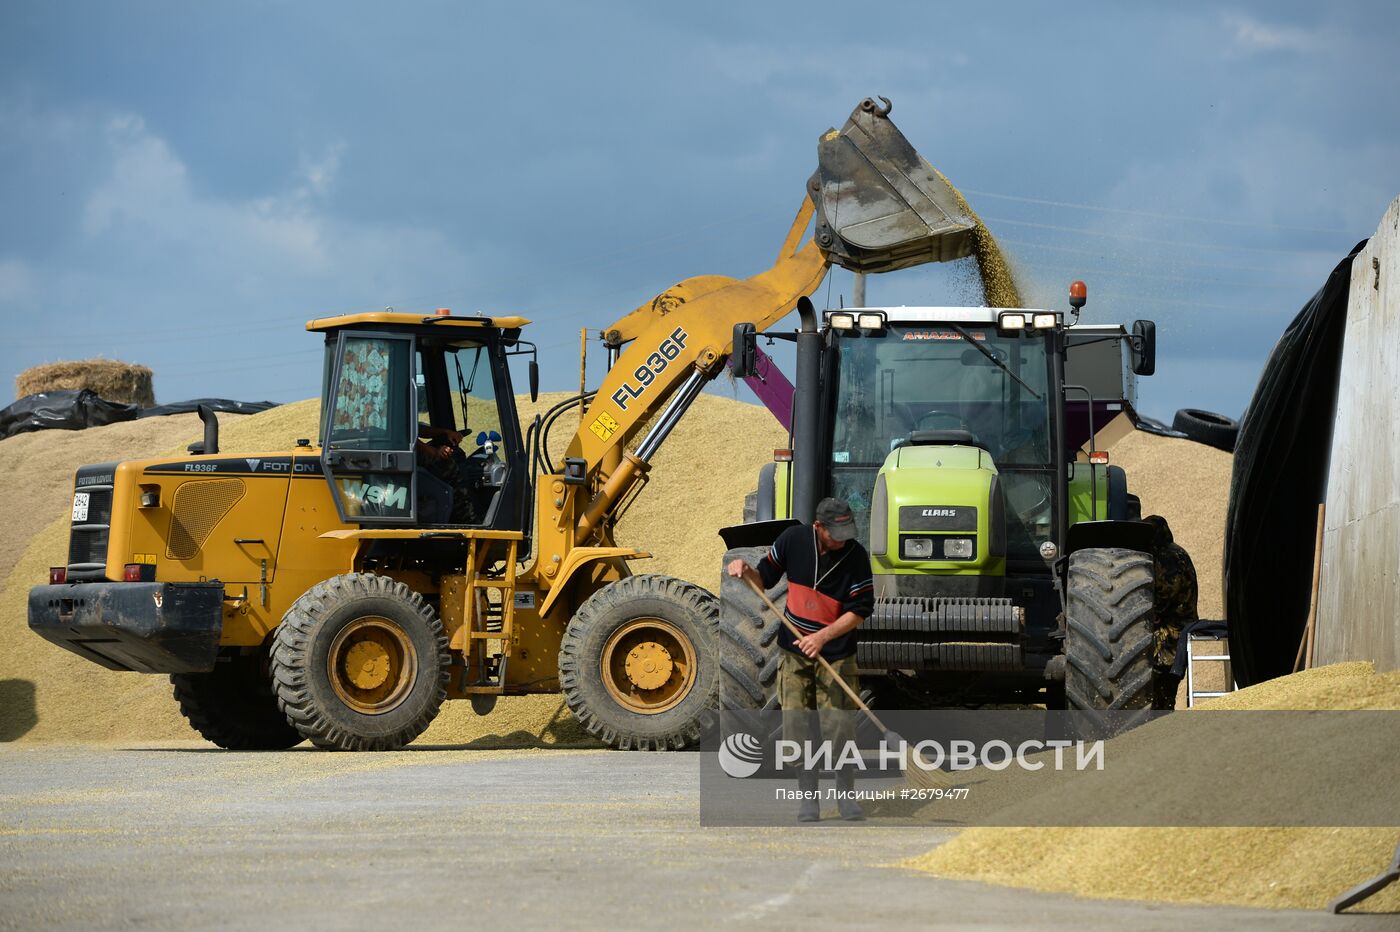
[[359, 663], [638, 663], [234, 705], [748, 650], [1214, 430], [1108, 637]]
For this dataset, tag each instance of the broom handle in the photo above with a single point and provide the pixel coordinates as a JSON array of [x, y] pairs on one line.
[[819, 658]]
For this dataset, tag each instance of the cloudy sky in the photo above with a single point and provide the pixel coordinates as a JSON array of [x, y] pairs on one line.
[[185, 184]]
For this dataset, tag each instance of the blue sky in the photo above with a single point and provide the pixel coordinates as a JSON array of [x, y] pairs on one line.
[[185, 184]]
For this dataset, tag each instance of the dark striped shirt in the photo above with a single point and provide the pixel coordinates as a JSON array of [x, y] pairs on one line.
[[842, 575]]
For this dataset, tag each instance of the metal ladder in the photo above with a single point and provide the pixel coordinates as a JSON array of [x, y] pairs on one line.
[[1191, 657], [481, 626]]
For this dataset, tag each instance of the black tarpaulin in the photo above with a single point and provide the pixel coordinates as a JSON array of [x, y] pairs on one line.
[[1279, 478], [68, 409], [78, 409], [213, 404]]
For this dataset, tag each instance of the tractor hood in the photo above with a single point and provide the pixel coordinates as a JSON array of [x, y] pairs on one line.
[[937, 508]]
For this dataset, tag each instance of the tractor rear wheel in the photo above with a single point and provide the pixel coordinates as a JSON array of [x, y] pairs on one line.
[[748, 650], [234, 706], [1108, 637], [637, 665], [359, 663]]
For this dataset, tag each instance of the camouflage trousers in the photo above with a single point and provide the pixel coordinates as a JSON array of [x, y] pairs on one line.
[[810, 697]]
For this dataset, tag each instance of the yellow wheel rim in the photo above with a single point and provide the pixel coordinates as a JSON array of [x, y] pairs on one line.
[[648, 666], [372, 665]]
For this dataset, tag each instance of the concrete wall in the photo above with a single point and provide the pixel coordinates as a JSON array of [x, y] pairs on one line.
[[1359, 597]]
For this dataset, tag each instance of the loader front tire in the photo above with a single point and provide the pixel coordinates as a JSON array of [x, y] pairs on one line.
[[1108, 637], [359, 663], [748, 648], [638, 664], [234, 705]]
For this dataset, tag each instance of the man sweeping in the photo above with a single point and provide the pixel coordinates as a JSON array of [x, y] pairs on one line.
[[830, 592]]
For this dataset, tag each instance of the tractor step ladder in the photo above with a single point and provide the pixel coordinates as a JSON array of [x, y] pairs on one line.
[[1226, 675], [479, 631]]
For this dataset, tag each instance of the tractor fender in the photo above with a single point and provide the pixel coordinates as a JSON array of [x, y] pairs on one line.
[[1129, 535], [755, 533], [576, 560]]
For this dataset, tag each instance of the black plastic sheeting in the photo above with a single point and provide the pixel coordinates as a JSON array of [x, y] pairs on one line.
[[1153, 426], [213, 404], [78, 409], [1280, 477], [69, 409]]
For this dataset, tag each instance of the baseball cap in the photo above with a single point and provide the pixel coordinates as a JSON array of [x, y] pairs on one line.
[[835, 515]]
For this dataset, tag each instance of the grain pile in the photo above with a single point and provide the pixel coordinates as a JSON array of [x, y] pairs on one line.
[[699, 480], [1300, 868], [1189, 483], [110, 379]]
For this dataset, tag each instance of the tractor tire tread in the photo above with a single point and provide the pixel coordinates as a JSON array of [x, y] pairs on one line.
[[749, 652], [1109, 631]]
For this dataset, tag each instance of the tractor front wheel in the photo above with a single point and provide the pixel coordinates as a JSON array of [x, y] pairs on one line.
[[637, 664], [360, 664], [1108, 637]]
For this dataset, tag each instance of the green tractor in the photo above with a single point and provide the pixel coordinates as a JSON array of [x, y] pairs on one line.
[[1011, 563]]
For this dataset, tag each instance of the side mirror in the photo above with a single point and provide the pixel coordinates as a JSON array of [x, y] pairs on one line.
[[743, 358], [1143, 344], [534, 381]]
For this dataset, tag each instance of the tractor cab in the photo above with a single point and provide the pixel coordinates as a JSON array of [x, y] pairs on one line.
[[418, 420], [949, 397]]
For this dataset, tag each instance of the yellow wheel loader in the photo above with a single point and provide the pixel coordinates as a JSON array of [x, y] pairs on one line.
[[424, 549]]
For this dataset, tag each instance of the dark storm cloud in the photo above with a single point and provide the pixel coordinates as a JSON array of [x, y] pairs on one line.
[[193, 180]]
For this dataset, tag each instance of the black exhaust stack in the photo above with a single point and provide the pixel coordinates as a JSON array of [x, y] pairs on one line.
[[806, 416], [210, 444]]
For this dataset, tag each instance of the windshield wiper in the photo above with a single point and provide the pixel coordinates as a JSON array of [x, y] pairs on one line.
[[988, 353]]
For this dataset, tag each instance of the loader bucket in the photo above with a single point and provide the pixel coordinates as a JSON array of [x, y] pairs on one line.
[[879, 205]]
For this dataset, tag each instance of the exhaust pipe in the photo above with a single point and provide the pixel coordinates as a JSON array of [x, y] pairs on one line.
[[210, 444], [806, 427]]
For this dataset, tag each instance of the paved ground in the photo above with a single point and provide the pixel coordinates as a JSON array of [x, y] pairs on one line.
[[185, 836]]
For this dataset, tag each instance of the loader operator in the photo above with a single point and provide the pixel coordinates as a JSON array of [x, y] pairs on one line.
[[444, 489], [830, 592]]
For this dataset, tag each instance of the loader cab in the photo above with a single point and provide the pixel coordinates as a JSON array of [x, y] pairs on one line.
[[396, 389]]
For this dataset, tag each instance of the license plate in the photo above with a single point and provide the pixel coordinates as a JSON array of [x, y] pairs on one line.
[[80, 506]]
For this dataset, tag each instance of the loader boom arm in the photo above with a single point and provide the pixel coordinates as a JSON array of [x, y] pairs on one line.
[[686, 329], [874, 204]]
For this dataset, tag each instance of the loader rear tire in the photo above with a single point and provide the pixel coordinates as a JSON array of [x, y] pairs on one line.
[[234, 706], [748, 649], [1108, 637], [638, 664], [359, 663]]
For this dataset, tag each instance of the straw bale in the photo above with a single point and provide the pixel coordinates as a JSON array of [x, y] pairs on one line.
[[110, 379]]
